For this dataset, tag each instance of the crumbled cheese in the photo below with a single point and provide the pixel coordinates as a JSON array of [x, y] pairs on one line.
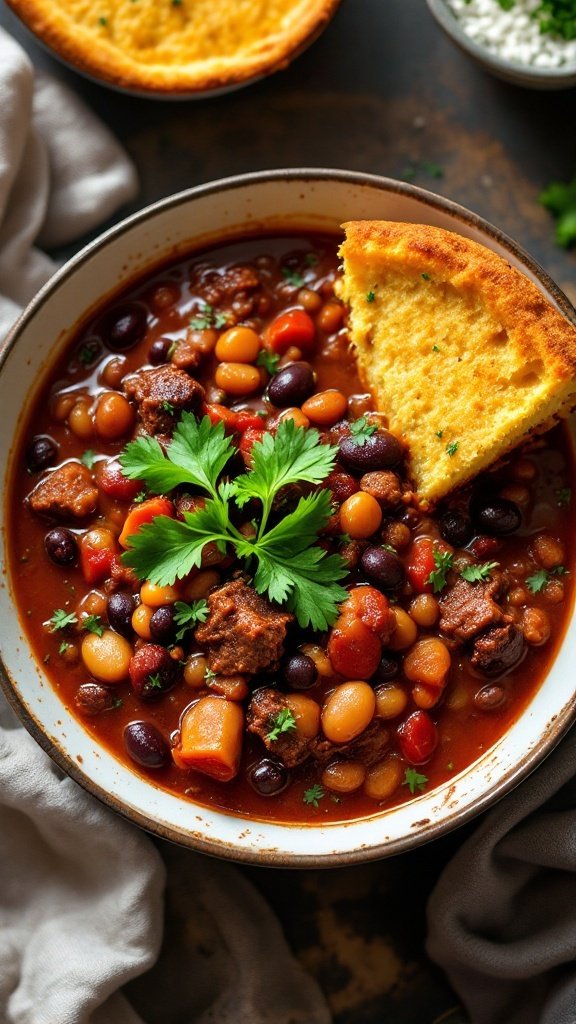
[[515, 34]]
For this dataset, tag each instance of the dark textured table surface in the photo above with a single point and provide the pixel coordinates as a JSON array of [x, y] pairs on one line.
[[382, 91]]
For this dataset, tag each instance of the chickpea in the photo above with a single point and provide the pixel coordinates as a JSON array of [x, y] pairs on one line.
[[397, 535], [112, 374], [536, 626], [100, 538], [548, 551], [238, 345], [343, 776], [195, 671], [306, 712], [320, 659], [330, 317], [348, 711], [405, 632], [141, 621], [293, 354], [554, 591], [164, 296], [428, 662], [390, 701], [200, 585], [309, 300], [69, 653], [360, 515], [384, 778], [296, 415], [237, 378], [517, 596], [156, 596], [93, 603], [114, 416], [424, 609], [63, 405], [80, 421], [107, 657], [424, 696], [326, 407]]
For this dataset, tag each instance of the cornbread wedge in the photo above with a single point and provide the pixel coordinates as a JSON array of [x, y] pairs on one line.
[[462, 353]]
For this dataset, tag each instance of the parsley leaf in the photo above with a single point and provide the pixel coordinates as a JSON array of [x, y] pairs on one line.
[[61, 619], [188, 615], [269, 360], [440, 434], [370, 296], [541, 577], [63, 647], [361, 430], [209, 675], [155, 682], [292, 277], [88, 458], [168, 407], [313, 795], [452, 448], [93, 624], [88, 354], [560, 199], [443, 561], [414, 780], [208, 317], [478, 573], [283, 722]]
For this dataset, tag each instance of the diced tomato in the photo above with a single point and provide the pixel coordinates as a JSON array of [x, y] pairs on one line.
[[295, 327], [249, 438], [420, 565], [245, 420], [418, 737], [95, 563], [354, 649], [372, 608], [144, 513], [220, 413], [111, 481]]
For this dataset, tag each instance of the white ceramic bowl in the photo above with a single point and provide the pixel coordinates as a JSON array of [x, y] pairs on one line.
[[526, 75], [317, 199]]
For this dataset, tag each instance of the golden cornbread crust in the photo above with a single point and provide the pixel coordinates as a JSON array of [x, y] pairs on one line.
[[176, 46], [463, 354]]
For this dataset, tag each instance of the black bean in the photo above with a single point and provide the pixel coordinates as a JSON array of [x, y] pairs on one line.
[[41, 453], [497, 516], [125, 326], [158, 351], [268, 777], [299, 671], [456, 527], [146, 745], [120, 609], [382, 567], [379, 451], [61, 546], [490, 697], [387, 669], [162, 624], [292, 385]]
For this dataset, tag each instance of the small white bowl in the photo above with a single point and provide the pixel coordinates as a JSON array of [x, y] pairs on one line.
[[509, 71], [309, 199]]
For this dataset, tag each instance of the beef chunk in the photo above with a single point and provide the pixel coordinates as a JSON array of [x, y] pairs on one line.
[[161, 395], [243, 631], [121, 576], [469, 608], [385, 486], [498, 649], [191, 350], [230, 289], [263, 710], [369, 747], [68, 492]]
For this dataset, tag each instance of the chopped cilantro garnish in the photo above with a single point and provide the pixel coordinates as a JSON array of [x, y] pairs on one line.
[[88, 457], [361, 430], [313, 795], [283, 722], [188, 615], [208, 317], [140, 497], [371, 295], [62, 619], [292, 277], [432, 169], [63, 647], [425, 277], [541, 577], [269, 360], [88, 353], [478, 573], [93, 624], [311, 259], [564, 496], [443, 561], [168, 407], [560, 199], [155, 682], [103, 21], [414, 780], [287, 563], [209, 675], [440, 434], [117, 702], [452, 448], [435, 348]]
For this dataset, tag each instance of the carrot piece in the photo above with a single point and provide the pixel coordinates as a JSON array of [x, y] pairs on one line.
[[144, 513], [211, 738]]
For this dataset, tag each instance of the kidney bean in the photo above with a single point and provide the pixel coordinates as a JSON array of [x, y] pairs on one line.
[[291, 386], [380, 451], [93, 698], [268, 777], [418, 737], [152, 671], [125, 326], [382, 567], [61, 546], [497, 516], [41, 453], [146, 745], [120, 609], [490, 697]]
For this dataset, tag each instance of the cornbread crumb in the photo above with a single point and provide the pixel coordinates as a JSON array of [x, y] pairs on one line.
[[464, 355]]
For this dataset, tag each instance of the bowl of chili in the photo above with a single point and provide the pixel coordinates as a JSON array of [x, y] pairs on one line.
[[223, 615]]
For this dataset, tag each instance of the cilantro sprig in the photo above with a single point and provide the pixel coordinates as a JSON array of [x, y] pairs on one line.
[[541, 577], [189, 615], [93, 624], [560, 199], [284, 558], [314, 795], [414, 780], [361, 430], [478, 573], [62, 619], [283, 722], [443, 561]]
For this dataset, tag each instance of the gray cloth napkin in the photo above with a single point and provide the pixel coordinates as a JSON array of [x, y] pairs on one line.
[[502, 918], [81, 890]]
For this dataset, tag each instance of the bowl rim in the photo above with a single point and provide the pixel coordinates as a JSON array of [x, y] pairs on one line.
[[557, 725], [451, 25]]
